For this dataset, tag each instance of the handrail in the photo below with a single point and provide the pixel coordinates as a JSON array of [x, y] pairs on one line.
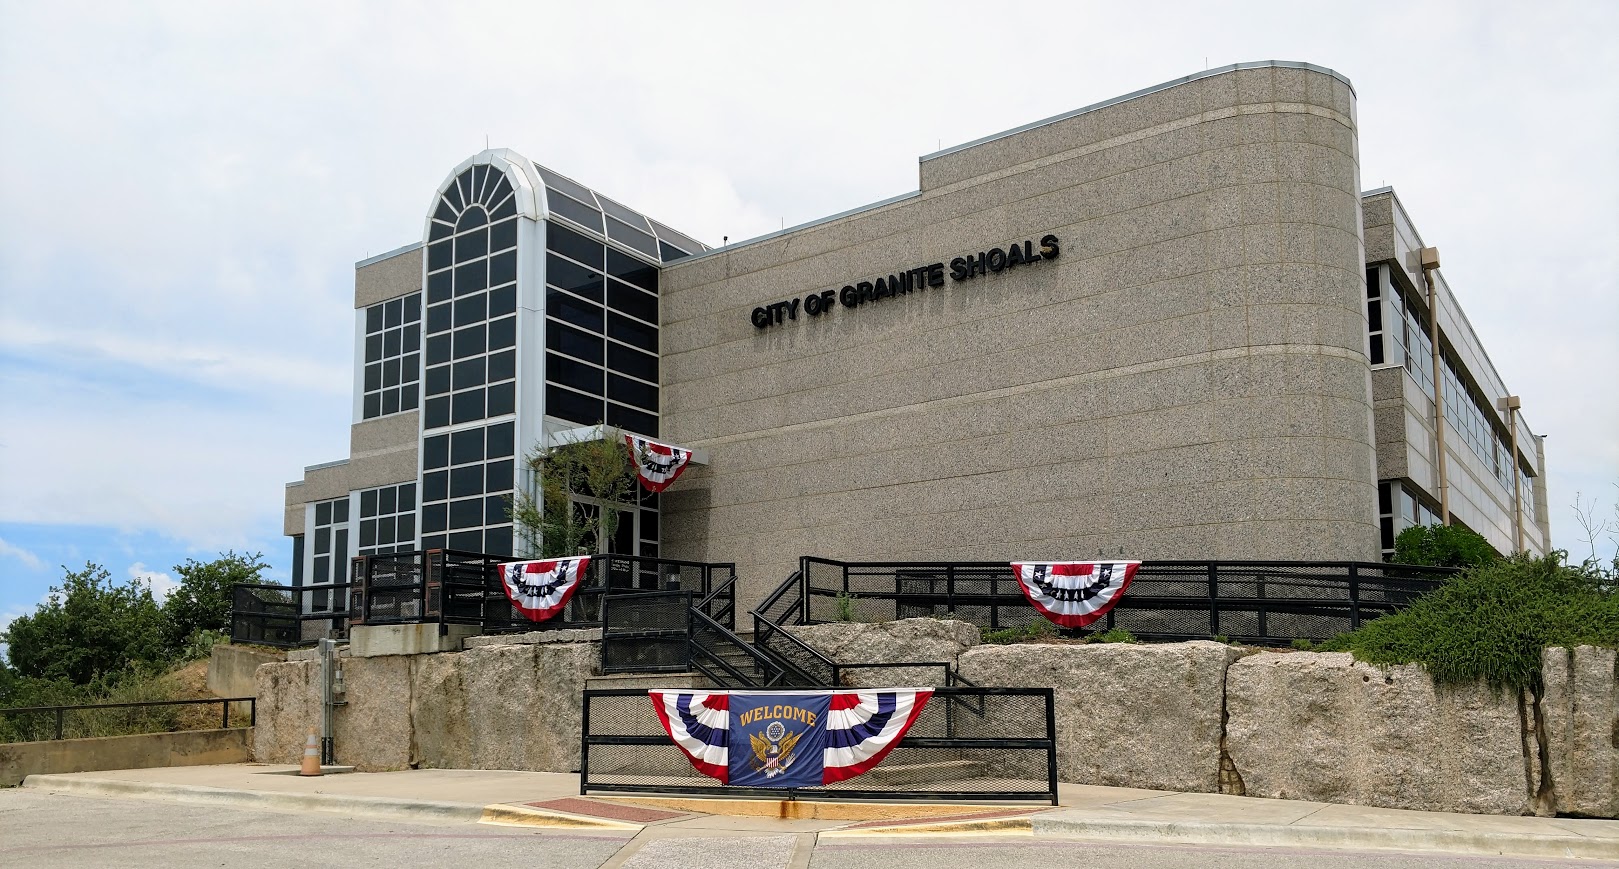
[[252, 707]]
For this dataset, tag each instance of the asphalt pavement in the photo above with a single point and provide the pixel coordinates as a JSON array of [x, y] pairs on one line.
[[257, 815]]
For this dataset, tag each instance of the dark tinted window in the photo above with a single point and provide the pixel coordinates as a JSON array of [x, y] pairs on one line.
[[373, 319], [576, 311], [469, 373], [502, 333], [438, 317], [560, 369], [502, 301], [573, 245], [437, 413], [466, 406], [498, 541], [435, 486], [633, 392], [469, 341], [572, 406], [438, 349], [498, 476], [466, 514], [575, 211], [623, 297], [623, 233], [631, 419], [502, 366], [438, 287], [466, 446], [632, 332], [438, 380], [433, 516], [503, 268], [438, 255], [471, 278], [629, 269], [502, 399], [436, 451], [566, 339], [466, 481], [471, 309], [632, 362], [500, 440], [572, 277]]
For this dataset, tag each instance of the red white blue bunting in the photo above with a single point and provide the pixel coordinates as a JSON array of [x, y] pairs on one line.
[[658, 465], [787, 739], [540, 589], [1074, 593]]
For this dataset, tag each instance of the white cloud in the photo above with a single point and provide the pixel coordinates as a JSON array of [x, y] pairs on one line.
[[160, 583], [20, 554]]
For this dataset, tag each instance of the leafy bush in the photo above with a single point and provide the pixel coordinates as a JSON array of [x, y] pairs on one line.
[[202, 601], [1303, 645], [1034, 631], [87, 629], [1114, 635], [1492, 621], [1442, 546]]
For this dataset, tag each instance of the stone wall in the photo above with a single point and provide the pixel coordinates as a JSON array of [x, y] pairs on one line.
[[898, 642], [1205, 717], [496, 706]]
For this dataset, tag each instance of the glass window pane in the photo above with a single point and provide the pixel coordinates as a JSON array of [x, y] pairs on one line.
[[466, 446], [323, 516], [467, 513], [573, 277], [466, 406], [502, 301], [373, 347], [578, 212], [390, 401], [412, 340], [436, 451], [437, 412], [623, 233], [466, 481], [372, 406], [472, 277], [502, 366], [373, 319], [368, 532], [501, 440], [498, 475], [632, 362], [503, 268], [444, 212], [630, 217], [585, 378], [505, 206], [471, 309], [469, 341], [498, 541], [503, 235], [472, 245], [566, 339], [405, 530], [408, 397], [387, 500], [469, 373], [502, 399], [628, 300], [566, 185], [393, 313], [573, 310], [340, 513], [438, 287], [632, 392], [494, 510], [502, 333], [438, 380], [373, 377], [574, 246], [413, 307], [435, 485], [466, 541], [438, 318], [631, 270], [438, 255], [569, 405], [635, 332], [631, 419], [390, 372], [438, 349], [433, 518]]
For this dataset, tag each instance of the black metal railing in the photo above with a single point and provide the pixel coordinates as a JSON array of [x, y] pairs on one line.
[[54, 719], [716, 651], [1005, 750], [1260, 602], [286, 616], [646, 632]]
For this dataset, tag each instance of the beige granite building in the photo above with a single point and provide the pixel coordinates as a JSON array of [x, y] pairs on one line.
[[1170, 324]]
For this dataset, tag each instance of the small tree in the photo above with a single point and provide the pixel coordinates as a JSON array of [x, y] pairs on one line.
[[89, 627], [202, 601], [583, 486], [1443, 546]]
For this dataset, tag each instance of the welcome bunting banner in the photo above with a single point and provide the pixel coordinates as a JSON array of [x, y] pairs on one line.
[[787, 739], [540, 589], [658, 465], [1074, 593]]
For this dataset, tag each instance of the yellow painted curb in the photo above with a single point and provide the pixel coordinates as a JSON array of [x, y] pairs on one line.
[[523, 816], [800, 810], [986, 827]]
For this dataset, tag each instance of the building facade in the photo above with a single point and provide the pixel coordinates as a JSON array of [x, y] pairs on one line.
[[1170, 324]]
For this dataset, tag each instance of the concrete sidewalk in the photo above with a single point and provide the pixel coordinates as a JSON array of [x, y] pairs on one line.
[[1087, 812]]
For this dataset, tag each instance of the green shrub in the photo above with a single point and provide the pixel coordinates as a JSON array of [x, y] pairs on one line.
[[1491, 623], [1303, 645], [845, 606], [1442, 546], [1031, 632], [1114, 635]]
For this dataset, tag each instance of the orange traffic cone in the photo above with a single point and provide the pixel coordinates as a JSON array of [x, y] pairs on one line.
[[311, 764]]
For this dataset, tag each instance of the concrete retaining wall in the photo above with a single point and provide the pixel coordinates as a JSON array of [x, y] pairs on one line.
[[19, 760], [230, 669], [1197, 716]]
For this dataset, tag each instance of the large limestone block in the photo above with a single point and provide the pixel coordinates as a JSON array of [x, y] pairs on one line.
[[372, 730], [1580, 711], [288, 705], [1143, 716], [523, 704], [1322, 727], [896, 642], [438, 713]]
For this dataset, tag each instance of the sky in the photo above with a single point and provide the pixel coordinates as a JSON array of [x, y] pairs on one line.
[[185, 188]]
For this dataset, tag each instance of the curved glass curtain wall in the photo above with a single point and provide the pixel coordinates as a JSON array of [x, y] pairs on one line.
[[469, 379]]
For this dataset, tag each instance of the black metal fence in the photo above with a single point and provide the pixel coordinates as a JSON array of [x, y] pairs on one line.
[[967, 744], [286, 616], [32, 723], [1259, 602], [443, 586]]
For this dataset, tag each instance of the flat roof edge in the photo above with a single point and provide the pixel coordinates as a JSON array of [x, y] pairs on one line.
[[795, 228], [389, 255], [1208, 73]]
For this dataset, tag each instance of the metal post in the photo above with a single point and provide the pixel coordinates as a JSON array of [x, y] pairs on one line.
[[58, 722], [253, 712], [949, 589], [224, 715], [1354, 595], [1051, 743], [328, 649], [1214, 600], [584, 743]]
